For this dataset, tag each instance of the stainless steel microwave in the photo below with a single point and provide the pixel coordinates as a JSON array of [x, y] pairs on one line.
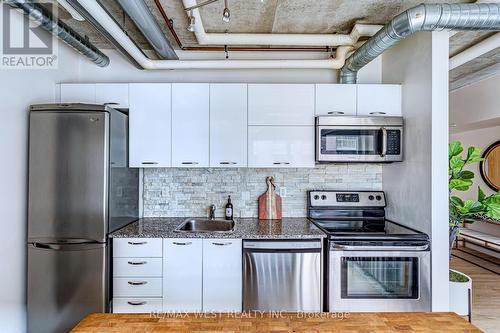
[[359, 139]]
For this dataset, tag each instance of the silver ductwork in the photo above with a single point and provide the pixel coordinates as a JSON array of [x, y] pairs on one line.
[[424, 17], [145, 21], [58, 28]]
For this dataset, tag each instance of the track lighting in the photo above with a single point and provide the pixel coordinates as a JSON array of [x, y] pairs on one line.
[[226, 14], [191, 26]]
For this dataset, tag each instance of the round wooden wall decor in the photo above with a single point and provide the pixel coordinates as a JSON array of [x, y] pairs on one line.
[[490, 166]]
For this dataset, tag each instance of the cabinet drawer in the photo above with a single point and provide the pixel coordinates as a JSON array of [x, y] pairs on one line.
[[137, 305], [137, 247], [137, 287], [146, 267]]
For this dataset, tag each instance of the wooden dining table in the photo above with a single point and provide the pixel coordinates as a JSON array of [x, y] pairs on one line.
[[274, 322]]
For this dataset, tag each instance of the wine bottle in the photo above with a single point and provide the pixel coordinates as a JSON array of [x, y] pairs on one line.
[[229, 209]]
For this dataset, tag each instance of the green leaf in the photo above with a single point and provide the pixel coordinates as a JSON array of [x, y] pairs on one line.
[[473, 155], [473, 206], [466, 174], [454, 149], [456, 201], [480, 194], [460, 184], [493, 210], [456, 163]]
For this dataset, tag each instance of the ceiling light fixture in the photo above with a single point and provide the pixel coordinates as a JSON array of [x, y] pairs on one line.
[[192, 22], [226, 14]]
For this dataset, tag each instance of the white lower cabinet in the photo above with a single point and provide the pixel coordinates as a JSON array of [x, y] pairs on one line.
[[137, 286], [222, 271], [182, 275], [137, 305], [281, 147]]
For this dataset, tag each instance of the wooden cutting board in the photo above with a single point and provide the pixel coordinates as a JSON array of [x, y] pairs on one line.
[[270, 202]]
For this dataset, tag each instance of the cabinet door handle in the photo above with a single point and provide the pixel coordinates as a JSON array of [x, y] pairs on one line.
[[377, 112], [281, 163], [149, 163], [137, 303], [137, 243], [137, 262], [222, 244], [111, 103], [182, 243], [137, 283], [189, 163], [336, 112], [227, 163]]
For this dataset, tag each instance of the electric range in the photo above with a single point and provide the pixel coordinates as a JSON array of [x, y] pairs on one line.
[[372, 263]]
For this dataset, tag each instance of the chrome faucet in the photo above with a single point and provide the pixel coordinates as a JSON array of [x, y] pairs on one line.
[[211, 212]]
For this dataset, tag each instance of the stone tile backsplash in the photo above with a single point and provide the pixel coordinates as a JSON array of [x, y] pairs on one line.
[[188, 192]]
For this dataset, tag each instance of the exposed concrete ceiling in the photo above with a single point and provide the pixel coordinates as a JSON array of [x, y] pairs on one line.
[[291, 16]]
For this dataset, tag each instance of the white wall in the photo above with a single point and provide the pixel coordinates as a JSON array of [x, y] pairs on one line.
[[475, 106], [418, 186], [120, 70], [20, 88]]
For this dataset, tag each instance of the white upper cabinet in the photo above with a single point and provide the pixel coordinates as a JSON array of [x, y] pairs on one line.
[[78, 93], [281, 104], [228, 125], [379, 100], [150, 125], [281, 146], [116, 93], [190, 130], [335, 99], [222, 271], [182, 274]]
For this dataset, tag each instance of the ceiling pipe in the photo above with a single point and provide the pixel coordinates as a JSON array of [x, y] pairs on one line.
[[145, 21], [170, 26], [74, 14], [58, 28], [475, 51], [204, 38], [424, 17], [100, 15]]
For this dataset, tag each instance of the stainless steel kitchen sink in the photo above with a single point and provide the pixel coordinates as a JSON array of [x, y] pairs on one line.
[[205, 225]]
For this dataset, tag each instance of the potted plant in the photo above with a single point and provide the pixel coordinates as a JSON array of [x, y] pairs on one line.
[[465, 211]]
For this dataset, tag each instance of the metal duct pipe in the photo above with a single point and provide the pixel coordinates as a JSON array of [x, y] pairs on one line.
[[58, 28], [424, 17], [145, 21]]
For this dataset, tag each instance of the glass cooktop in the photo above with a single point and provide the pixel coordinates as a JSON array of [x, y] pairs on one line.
[[378, 228]]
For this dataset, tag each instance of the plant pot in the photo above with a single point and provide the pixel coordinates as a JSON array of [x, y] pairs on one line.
[[459, 295]]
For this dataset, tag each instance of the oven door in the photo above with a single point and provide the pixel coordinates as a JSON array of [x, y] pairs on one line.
[[358, 144], [379, 281]]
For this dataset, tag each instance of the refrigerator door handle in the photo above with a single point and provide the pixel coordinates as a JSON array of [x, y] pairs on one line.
[[72, 247]]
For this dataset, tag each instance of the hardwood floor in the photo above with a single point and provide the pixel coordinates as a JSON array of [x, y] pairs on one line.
[[485, 295]]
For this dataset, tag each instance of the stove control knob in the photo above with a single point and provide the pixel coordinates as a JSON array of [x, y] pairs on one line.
[[379, 197], [371, 197], [316, 197], [323, 197]]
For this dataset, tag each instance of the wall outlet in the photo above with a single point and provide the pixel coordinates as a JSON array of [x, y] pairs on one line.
[[282, 191]]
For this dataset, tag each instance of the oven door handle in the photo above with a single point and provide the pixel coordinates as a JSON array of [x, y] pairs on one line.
[[383, 151], [380, 248]]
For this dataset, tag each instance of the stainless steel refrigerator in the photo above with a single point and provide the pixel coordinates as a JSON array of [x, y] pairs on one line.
[[80, 189]]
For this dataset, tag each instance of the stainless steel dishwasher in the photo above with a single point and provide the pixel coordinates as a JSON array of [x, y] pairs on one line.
[[282, 275]]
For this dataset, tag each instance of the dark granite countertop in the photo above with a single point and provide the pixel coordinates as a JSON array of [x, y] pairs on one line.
[[245, 228]]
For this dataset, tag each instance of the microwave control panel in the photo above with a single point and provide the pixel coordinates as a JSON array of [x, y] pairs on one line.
[[393, 142]]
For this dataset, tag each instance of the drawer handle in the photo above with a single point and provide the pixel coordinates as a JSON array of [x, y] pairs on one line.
[[222, 244], [227, 163], [377, 112], [137, 283], [189, 163], [137, 243], [149, 163], [137, 303], [184, 243], [336, 112], [137, 262], [281, 163]]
